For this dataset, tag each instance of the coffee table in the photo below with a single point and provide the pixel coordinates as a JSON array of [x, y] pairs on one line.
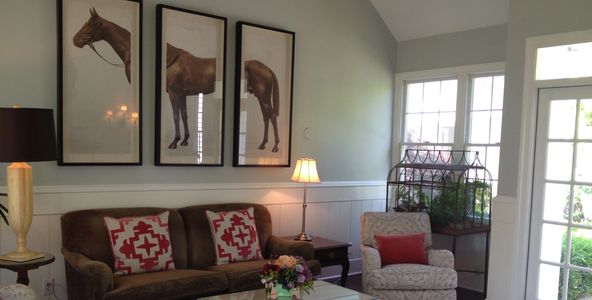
[[322, 291]]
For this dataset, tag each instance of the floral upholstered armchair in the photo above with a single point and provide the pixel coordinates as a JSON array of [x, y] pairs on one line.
[[436, 280]]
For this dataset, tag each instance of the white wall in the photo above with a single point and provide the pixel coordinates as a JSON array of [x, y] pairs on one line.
[[334, 212]]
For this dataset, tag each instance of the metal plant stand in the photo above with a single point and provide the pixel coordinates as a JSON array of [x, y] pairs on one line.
[[452, 186]]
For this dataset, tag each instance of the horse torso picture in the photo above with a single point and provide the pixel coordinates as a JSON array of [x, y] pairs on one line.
[[186, 75], [263, 84], [97, 29]]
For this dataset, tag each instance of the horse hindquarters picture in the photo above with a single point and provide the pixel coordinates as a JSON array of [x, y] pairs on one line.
[[190, 79], [263, 96]]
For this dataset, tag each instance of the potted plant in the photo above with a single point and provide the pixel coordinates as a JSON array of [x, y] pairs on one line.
[[285, 274]]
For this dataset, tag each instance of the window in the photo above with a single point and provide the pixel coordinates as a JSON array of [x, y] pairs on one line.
[[564, 61], [456, 108], [485, 129]]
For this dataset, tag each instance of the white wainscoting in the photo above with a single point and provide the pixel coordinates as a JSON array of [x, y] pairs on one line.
[[334, 211]]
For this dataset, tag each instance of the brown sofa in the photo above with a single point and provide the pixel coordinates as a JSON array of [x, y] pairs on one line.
[[89, 259]]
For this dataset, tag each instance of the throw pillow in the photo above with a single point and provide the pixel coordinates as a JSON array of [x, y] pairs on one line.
[[140, 244], [235, 235], [401, 248]]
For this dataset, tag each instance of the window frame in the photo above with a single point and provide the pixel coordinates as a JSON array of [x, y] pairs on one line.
[[463, 74]]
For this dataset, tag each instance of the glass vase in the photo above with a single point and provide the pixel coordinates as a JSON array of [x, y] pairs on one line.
[[283, 292]]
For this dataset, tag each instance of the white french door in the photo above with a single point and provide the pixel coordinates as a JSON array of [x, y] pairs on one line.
[[560, 252]]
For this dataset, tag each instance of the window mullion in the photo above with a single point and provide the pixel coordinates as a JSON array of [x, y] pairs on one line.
[[461, 111]]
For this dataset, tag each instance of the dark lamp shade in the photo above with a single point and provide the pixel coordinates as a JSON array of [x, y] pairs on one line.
[[27, 134]]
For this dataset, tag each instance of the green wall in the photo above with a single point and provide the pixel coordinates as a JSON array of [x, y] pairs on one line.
[[530, 18], [476, 46], [343, 84]]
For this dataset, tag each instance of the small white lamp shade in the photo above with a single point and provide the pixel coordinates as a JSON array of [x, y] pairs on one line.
[[306, 171]]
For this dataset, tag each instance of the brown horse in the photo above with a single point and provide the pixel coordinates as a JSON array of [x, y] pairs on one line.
[[262, 82], [99, 29], [186, 75]]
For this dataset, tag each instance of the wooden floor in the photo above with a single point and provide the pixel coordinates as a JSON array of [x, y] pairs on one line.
[[354, 282]]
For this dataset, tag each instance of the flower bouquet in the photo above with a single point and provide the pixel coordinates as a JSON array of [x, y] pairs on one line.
[[286, 273]]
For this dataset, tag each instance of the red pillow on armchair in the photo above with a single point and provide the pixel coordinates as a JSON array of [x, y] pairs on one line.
[[401, 249]]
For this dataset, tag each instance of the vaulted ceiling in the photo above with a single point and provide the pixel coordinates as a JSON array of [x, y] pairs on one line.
[[411, 19]]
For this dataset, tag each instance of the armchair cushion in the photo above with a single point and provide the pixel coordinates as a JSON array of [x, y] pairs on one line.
[[401, 248], [412, 277]]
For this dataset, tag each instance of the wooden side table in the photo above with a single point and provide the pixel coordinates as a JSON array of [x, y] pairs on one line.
[[331, 253], [22, 268]]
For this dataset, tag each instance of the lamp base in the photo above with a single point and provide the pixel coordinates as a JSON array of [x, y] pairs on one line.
[[303, 237], [21, 256]]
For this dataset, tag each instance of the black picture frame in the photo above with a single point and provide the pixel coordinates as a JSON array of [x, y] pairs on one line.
[[99, 83], [267, 54], [191, 47]]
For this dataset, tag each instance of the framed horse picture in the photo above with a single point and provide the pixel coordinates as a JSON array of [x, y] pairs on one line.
[[263, 96], [190, 76], [100, 82]]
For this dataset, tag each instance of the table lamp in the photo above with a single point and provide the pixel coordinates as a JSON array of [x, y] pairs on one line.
[[305, 172], [26, 134]]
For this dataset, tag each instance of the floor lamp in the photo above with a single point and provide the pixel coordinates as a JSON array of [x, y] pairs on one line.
[[305, 172], [26, 135]]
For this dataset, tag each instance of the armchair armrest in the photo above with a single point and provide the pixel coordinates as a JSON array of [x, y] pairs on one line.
[[91, 279], [280, 246], [440, 258], [370, 262]]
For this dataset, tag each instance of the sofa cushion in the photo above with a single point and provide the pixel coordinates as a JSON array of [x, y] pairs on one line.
[[235, 235], [242, 275], [175, 284], [84, 232], [140, 244], [412, 277], [199, 235]]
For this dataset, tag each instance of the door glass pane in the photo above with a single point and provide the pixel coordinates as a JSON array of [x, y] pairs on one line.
[[556, 202], [482, 93], [414, 97], [580, 285], [565, 61], [480, 127], [585, 126], [584, 163], [552, 241], [498, 92], [581, 248], [582, 206], [559, 160], [561, 125], [549, 281]]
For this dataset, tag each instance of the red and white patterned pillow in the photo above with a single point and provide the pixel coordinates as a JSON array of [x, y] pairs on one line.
[[140, 244], [235, 235]]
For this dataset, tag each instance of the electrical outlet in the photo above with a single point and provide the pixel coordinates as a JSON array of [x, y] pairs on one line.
[[47, 286]]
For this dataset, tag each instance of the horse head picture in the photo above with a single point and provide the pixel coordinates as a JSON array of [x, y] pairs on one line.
[[98, 29], [263, 84]]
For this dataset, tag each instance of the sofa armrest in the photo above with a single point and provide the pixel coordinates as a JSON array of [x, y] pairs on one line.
[[441, 258], [91, 279], [280, 246]]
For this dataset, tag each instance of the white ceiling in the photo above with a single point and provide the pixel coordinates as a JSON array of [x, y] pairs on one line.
[[411, 19]]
